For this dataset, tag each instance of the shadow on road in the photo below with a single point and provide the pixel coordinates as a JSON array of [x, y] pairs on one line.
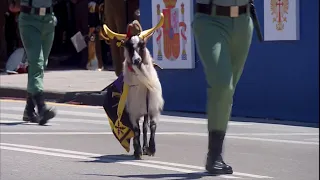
[[179, 176], [122, 158], [11, 123], [20, 123], [111, 158]]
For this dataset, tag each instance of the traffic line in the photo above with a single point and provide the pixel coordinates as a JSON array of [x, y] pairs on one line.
[[159, 133], [273, 140], [184, 168], [312, 139], [102, 114], [58, 119], [169, 133], [50, 103]]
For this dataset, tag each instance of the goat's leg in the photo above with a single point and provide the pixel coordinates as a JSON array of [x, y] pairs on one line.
[[136, 141], [152, 143], [145, 135]]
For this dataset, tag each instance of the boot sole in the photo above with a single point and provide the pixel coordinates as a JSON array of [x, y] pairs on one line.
[[49, 114], [30, 120], [219, 172], [33, 119]]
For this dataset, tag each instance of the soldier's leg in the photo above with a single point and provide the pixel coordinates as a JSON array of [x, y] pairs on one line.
[[46, 113], [3, 44], [81, 18], [31, 27], [212, 40], [133, 7], [120, 21], [99, 51], [241, 42], [115, 17], [114, 49]]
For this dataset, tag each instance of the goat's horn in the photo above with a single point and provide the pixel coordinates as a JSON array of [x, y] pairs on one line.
[[112, 34], [103, 36], [147, 33]]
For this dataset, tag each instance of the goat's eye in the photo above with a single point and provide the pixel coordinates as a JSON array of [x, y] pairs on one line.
[[142, 45]]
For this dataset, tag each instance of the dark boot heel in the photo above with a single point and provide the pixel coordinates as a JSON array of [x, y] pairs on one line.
[[215, 164], [29, 114], [45, 113]]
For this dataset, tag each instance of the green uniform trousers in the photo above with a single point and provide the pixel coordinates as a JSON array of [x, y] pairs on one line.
[[37, 34], [223, 44]]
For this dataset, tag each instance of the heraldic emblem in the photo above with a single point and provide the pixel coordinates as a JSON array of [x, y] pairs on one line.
[[173, 31], [279, 9]]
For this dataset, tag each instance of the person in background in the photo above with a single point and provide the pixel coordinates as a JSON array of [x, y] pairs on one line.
[[117, 15], [36, 25], [223, 32], [81, 14], [3, 45]]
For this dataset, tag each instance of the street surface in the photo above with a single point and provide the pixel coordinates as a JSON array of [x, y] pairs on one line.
[[78, 145]]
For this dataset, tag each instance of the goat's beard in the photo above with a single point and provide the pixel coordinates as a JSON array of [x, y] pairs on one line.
[[145, 77]]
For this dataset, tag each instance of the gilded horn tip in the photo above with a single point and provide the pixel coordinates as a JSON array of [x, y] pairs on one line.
[[112, 34], [147, 33]]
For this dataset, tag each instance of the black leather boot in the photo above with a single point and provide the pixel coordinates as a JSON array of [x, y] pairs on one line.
[[44, 112], [29, 114], [215, 164]]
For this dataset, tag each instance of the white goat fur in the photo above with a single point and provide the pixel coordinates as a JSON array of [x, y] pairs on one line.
[[136, 103]]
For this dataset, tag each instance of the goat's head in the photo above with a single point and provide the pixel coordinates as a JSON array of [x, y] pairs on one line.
[[134, 42], [135, 51]]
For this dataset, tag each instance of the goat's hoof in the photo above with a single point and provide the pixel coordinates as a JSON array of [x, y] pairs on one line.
[[138, 157], [145, 150], [151, 152]]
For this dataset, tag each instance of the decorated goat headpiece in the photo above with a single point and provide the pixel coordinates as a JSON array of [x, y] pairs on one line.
[[133, 29]]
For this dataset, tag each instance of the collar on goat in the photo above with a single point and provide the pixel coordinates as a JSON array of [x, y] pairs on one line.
[[130, 68]]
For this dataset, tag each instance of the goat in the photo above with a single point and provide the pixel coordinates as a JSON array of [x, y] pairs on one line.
[[145, 93]]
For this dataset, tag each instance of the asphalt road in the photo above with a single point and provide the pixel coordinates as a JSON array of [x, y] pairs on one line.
[[78, 145]]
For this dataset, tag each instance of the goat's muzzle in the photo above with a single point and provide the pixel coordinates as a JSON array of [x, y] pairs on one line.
[[137, 62]]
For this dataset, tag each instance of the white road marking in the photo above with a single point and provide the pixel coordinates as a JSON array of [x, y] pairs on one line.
[[23, 102], [273, 140], [163, 118], [57, 119], [93, 159], [312, 139], [166, 133], [145, 163], [55, 133]]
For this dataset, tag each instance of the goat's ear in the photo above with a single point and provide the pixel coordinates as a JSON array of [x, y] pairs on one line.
[[145, 40]]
